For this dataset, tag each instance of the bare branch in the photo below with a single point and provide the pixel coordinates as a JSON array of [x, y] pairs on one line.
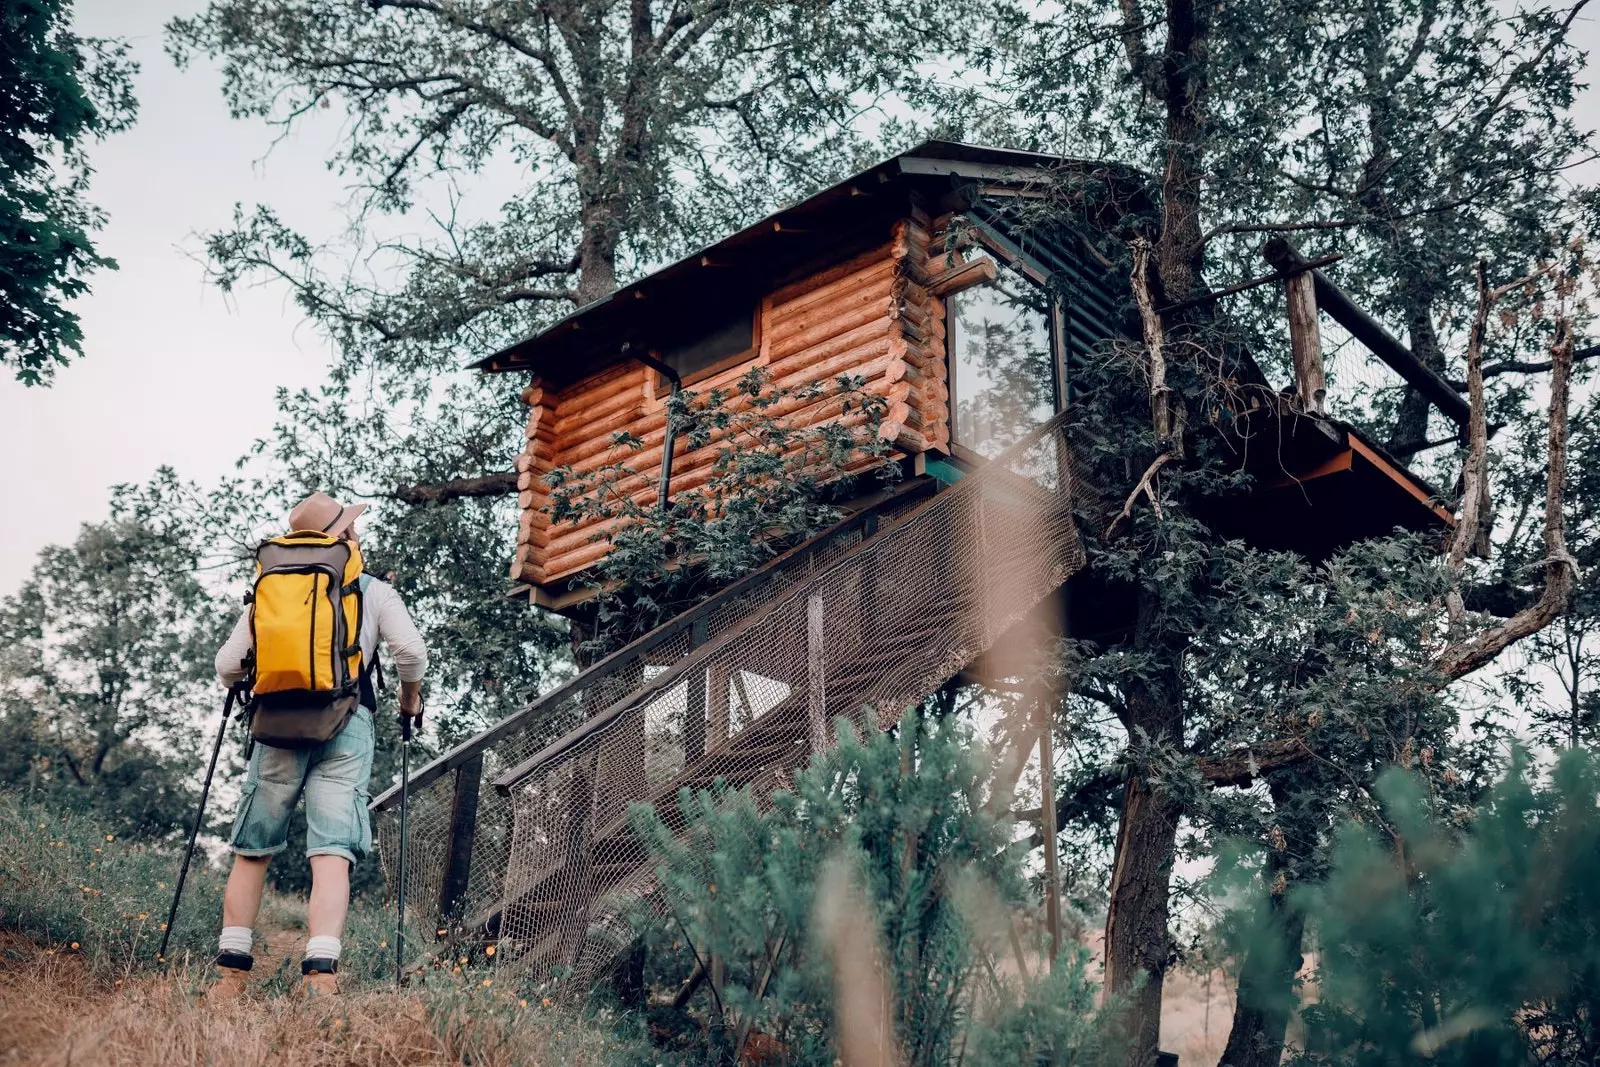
[[1560, 569], [1243, 765], [1141, 64]]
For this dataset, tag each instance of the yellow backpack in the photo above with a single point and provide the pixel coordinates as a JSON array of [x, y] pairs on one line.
[[305, 618]]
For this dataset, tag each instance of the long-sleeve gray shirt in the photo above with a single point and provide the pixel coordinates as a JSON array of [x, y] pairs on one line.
[[383, 618]]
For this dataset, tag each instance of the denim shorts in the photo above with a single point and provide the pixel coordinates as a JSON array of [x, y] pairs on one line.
[[334, 778]]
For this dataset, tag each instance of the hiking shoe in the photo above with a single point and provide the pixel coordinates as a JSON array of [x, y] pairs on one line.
[[319, 978], [233, 978]]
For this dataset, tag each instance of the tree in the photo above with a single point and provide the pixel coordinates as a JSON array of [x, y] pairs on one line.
[[58, 93], [885, 888], [1422, 139], [771, 485], [107, 671]]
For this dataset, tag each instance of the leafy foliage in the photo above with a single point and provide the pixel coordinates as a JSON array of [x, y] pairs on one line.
[[911, 817], [1463, 944], [58, 91], [768, 485]]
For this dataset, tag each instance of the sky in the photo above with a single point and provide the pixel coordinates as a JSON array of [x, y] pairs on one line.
[[173, 372]]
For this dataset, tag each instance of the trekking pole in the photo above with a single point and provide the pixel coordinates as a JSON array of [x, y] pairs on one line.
[[400, 888], [199, 817]]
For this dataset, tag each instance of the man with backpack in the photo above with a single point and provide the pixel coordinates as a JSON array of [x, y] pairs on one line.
[[307, 643]]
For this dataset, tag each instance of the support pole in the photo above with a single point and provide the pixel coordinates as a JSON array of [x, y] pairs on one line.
[[816, 675], [458, 847], [1047, 826], [1305, 340], [1371, 333]]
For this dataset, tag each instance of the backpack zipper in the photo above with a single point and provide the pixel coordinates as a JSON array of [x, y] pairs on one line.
[[311, 657]]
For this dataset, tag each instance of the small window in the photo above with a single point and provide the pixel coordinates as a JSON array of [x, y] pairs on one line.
[[727, 340], [1002, 376]]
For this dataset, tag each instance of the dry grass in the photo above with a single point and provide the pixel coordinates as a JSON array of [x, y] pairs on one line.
[[55, 1012]]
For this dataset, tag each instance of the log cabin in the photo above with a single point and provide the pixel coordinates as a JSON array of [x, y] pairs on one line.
[[932, 278]]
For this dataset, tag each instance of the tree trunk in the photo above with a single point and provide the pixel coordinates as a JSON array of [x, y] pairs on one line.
[[597, 252], [1266, 983], [1137, 941], [1410, 429]]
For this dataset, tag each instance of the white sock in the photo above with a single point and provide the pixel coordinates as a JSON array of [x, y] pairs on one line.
[[234, 939], [322, 947]]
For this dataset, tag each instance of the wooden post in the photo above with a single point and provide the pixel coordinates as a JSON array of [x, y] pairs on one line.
[[1305, 340], [718, 678], [816, 675], [1047, 826], [694, 721], [458, 847]]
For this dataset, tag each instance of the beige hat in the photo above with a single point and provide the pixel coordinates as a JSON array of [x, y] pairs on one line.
[[322, 513]]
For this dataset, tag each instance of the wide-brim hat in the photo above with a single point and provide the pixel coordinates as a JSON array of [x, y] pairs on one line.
[[323, 514]]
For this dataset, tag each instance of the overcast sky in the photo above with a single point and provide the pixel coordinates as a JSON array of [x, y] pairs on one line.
[[173, 373]]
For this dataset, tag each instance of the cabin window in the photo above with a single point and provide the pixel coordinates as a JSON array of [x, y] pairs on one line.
[[1002, 377], [729, 339]]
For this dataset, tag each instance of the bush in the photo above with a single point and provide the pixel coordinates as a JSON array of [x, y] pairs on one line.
[[882, 877], [1471, 945]]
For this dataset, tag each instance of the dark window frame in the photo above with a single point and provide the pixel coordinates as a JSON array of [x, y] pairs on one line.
[[1034, 273], [720, 364]]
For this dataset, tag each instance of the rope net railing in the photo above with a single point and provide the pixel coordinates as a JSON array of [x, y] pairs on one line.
[[862, 637], [442, 813]]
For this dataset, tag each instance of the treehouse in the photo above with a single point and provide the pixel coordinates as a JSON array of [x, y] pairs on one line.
[[936, 280], [930, 278]]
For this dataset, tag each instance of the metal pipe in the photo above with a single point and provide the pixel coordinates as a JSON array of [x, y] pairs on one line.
[[669, 440]]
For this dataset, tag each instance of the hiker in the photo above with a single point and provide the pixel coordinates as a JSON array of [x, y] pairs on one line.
[[289, 757]]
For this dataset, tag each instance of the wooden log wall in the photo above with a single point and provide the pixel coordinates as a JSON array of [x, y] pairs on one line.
[[874, 315]]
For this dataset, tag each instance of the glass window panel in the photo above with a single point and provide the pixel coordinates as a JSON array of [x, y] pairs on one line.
[[1002, 378]]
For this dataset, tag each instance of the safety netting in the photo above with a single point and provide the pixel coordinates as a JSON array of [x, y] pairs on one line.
[[864, 636], [460, 832]]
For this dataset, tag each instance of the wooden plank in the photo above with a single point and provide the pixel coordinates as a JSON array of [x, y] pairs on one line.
[[874, 283], [1047, 827], [1405, 479], [1371, 333], [1305, 342], [458, 845], [786, 343], [813, 282], [1337, 464], [980, 271]]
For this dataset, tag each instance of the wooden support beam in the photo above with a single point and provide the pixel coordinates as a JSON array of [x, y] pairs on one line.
[[816, 675], [1305, 341], [980, 271], [1047, 810], [458, 846], [1371, 333]]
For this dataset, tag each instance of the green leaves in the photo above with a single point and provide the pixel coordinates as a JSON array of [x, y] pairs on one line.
[[1463, 945], [57, 92], [940, 888], [109, 649], [770, 482]]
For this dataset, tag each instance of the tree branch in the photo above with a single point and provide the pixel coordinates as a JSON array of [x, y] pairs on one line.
[[1243, 765], [1560, 569], [454, 489]]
